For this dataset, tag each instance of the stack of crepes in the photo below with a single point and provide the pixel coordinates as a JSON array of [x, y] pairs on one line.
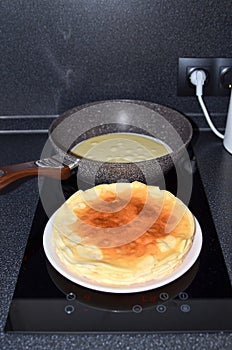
[[122, 234]]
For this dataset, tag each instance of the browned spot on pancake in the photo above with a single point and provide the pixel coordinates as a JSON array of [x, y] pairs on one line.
[[129, 212]]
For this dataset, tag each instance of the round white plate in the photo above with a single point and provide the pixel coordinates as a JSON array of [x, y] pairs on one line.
[[189, 260]]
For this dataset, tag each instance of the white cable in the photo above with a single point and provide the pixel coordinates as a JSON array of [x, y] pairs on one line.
[[198, 78], [207, 117]]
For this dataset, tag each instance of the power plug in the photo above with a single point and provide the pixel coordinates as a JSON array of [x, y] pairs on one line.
[[198, 78]]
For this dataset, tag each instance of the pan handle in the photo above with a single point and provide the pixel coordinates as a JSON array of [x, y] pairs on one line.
[[51, 167]]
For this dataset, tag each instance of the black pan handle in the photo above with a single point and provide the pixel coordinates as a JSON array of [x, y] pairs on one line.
[[53, 167]]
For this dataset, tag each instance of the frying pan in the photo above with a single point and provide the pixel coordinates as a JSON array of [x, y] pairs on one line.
[[89, 120]]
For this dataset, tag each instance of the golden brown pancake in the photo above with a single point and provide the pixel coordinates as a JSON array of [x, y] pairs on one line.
[[122, 234]]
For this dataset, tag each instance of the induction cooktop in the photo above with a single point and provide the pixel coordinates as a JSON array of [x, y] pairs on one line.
[[200, 300]]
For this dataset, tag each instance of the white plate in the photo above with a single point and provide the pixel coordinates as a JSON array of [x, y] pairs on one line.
[[189, 260]]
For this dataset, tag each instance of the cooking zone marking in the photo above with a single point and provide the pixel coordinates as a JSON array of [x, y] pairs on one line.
[[121, 148]]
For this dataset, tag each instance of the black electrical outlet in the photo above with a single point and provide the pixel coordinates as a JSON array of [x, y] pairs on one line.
[[226, 77], [214, 69]]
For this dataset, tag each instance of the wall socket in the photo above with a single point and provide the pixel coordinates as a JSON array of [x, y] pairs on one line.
[[214, 69]]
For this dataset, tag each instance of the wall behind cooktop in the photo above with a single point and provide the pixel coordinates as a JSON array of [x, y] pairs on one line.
[[57, 54]]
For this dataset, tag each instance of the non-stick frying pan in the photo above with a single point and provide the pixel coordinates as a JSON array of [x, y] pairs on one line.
[[100, 118]]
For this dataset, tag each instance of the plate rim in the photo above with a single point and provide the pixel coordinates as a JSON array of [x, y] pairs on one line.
[[189, 259]]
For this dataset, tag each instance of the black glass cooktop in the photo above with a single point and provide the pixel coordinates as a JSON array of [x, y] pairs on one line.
[[200, 300]]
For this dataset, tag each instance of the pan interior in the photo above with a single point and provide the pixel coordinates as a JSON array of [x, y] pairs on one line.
[[121, 148]]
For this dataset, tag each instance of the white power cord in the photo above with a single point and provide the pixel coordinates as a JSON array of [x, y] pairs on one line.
[[198, 78]]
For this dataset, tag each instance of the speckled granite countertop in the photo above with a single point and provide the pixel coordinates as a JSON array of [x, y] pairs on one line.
[[17, 209]]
